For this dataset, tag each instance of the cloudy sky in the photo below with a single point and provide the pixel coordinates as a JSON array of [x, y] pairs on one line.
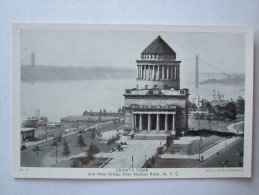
[[223, 51]]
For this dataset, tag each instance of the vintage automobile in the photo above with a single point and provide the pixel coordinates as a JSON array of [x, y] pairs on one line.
[[36, 148], [23, 147], [54, 143]]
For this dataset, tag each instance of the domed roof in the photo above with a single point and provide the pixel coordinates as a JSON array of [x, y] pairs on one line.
[[158, 46]]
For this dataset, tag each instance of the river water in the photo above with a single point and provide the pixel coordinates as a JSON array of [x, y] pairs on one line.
[[58, 99]]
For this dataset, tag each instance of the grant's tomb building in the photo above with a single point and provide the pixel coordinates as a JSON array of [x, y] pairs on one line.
[[157, 103]]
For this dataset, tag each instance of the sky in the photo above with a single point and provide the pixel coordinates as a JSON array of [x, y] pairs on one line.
[[224, 51]]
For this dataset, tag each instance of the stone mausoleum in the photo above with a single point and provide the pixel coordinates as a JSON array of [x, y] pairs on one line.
[[157, 103]]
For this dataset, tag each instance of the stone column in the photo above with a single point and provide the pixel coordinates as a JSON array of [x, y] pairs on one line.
[[144, 69], [167, 73], [147, 76], [172, 73], [166, 122], [140, 72], [176, 72], [158, 122], [158, 71], [133, 121], [163, 72], [149, 72], [173, 125], [149, 122], [173, 122], [154, 72], [140, 121]]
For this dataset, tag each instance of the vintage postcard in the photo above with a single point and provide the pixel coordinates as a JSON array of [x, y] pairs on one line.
[[131, 101]]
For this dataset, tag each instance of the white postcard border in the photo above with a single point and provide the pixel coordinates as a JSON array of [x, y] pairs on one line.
[[128, 173]]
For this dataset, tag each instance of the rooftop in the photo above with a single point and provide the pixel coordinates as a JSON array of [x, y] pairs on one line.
[[27, 129], [158, 46]]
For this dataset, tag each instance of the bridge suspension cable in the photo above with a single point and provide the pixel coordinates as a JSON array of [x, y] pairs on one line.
[[213, 67]]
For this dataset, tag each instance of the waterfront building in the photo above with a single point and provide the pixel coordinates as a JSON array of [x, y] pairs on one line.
[[157, 103], [27, 133]]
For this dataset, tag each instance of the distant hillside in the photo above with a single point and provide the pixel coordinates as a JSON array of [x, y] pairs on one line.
[[234, 79], [46, 73]]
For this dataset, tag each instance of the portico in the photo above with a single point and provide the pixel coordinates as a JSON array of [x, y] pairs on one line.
[[154, 120]]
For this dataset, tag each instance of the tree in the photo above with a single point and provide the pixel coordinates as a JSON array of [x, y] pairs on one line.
[[99, 119], [81, 141], [104, 112], [169, 140], [93, 150], [209, 107], [85, 113], [109, 142], [93, 133], [240, 106], [191, 105], [101, 112], [153, 161], [84, 160], [66, 150], [231, 111], [119, 111], [159, 151]]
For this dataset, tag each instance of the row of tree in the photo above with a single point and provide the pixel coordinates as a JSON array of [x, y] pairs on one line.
[[90, 153]]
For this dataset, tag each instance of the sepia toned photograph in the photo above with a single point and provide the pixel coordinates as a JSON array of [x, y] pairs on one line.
[[131, 101]]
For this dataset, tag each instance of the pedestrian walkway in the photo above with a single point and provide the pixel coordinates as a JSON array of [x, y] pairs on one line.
[[137, 150], [205, 154], [232, 129]]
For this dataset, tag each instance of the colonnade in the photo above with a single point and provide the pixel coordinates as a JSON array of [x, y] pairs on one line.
[[157, 72], [152, 121]]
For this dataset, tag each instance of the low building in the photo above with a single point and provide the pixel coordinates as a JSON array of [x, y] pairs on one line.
[[27, 133]]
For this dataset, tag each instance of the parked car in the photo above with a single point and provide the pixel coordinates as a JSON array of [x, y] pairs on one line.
[[23, 147], [78, 135], [36, 148], [54, 144]]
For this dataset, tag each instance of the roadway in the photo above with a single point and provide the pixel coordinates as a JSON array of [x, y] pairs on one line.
[[48, 155], [230, 153]]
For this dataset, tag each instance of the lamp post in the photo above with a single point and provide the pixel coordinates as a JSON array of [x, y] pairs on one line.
[[132, 161], [77, 126], [46, 136], [200, 148], [56, 152]]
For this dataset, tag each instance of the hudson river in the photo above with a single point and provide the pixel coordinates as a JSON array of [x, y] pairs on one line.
[[57, 99]]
